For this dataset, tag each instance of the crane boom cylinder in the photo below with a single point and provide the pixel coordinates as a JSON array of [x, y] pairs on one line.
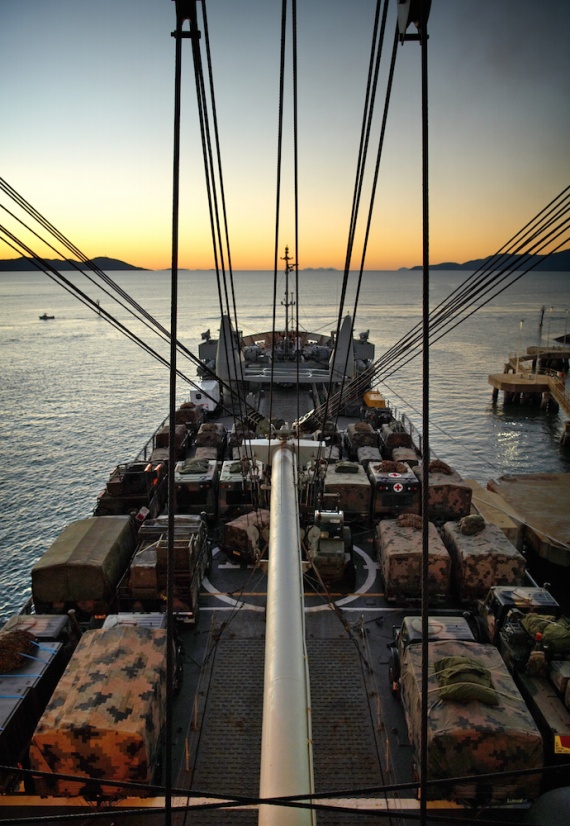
[[286, 758]]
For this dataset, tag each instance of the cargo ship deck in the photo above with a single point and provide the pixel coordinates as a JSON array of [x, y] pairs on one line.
[[359, 734]]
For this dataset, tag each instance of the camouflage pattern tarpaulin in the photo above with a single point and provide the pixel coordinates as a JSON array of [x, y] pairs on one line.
[[482, 560], [106, 715], [400, 555], [470, 738]]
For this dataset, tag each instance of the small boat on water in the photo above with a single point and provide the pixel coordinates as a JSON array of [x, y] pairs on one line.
[[46, 317]]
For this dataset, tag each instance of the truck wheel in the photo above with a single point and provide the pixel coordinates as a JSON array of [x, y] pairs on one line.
[[156, 779], [394, 683], [394, 673], [478, 627]]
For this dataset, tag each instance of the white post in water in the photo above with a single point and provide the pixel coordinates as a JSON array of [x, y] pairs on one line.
[[286, 757]]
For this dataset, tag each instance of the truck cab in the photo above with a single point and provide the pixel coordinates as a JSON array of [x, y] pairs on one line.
[[502, 599], [240, 487], [510, 617]]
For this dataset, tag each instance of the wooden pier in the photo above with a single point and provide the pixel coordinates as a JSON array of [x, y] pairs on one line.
[[521, 382]]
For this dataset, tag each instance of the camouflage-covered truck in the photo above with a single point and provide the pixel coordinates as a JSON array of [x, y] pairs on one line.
[[526, 625], [105, 719], [478, 722]]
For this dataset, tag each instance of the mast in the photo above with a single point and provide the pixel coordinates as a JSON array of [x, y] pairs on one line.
[[287, 303]]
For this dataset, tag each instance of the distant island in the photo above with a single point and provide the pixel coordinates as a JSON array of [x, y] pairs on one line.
[[27, 264], [557, 262]]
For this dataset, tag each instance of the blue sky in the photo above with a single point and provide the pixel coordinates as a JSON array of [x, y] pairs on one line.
[[86, 104]]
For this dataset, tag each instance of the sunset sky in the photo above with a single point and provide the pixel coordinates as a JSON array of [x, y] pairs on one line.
[[86, 106]]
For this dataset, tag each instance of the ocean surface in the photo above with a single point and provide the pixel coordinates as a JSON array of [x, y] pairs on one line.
[[77, 397]]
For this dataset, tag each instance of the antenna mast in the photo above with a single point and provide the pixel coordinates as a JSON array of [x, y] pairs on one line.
[[288, 302]]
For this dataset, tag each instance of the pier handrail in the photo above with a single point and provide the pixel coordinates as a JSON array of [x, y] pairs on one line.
[[558, 393]]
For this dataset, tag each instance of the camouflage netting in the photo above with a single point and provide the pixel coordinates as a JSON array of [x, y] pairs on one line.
[[106, 715], [389, 466], [211, 434], [188, 414], [410, 520], [193, 466], [555, 633], [437, 466], [471, 738], [471, 524], [14, 646]]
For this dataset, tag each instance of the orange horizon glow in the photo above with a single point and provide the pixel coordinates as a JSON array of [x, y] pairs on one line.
[[264, 262]]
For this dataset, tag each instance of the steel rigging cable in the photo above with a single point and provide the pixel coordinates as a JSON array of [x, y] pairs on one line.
[[548, 227], [20, 247], [213, 172], [278, 192], [376, 48]]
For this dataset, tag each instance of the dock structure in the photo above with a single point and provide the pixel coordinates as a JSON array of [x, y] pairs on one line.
[[496, 510], [540, 501], [520, 381]]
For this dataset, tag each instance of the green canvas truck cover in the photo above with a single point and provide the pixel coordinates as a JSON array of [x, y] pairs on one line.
[[84, 564], [105, 717], [472, 738]]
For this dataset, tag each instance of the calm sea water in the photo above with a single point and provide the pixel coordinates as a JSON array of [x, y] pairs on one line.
[[77, 398]]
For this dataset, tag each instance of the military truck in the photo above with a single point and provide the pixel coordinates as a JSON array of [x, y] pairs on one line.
[[534, 640], [105, 719], [410, 633], [478, 722], [34, 651], [329, 546], [502, 600], [143, 587], [196, 482], [132, 486], [82, 567], [240, 487]]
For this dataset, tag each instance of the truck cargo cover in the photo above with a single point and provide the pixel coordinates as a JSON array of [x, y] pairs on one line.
[[106, 715], [470, 738], [85, 562]]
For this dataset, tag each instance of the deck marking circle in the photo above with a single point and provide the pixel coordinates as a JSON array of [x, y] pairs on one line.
[[235, 603], [369, 565]]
